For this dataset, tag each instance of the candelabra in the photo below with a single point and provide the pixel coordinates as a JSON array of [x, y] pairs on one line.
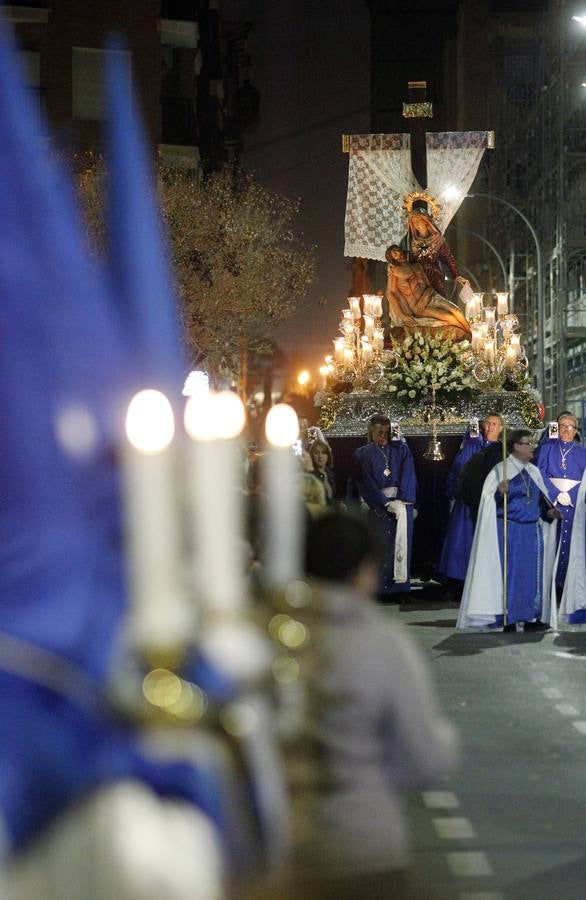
[[496, 352], [357, 352]]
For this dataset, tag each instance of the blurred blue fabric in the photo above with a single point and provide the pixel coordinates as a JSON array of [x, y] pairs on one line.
[[74, 345]]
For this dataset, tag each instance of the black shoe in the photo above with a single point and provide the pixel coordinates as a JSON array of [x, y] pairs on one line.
[[509, 628], [538, 625]]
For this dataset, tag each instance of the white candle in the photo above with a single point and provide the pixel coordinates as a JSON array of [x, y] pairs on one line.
[[368, 326], [367, 304], [160, 615], [282, 552], [354, 303], [366, 353], [378, 339], [489, 351], [348, 357], [516, 343], [489, 316], [347, 314], [476, 338], [215, 499], [502, 304], [377, 306], [339, 344], [510, 356]]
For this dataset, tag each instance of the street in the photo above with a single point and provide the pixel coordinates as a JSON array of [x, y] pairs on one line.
[[510, 824]]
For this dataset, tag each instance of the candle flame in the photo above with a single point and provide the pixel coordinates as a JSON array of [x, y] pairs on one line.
[[282, 425], [150, 425]]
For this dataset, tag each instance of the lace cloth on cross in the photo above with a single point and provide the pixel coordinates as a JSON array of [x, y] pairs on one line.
[[380, 176]]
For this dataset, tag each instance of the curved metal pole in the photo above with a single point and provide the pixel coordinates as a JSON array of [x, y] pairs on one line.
[[540, 298], [488, 244]]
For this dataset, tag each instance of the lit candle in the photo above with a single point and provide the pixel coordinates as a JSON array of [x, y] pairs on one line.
[[348, 357], [160, 615], [367, 304], [477, 305], [377, 306], [510, 356], [502, 303], [347, 314], [354, 303], [215, 501], [516, 343], [483, 329], [366, 352], [339, 345], [489, 351], [476, 338], [368, 326], [489, 316], [282, 552], [378, 339]]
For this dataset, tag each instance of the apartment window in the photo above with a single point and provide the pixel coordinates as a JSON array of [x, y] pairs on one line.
[[87, 74]]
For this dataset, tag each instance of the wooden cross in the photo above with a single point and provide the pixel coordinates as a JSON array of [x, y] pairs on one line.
[[416, 110]]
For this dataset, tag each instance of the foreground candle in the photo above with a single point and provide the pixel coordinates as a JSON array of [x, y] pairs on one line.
[[282, 550], [215, 501], [160, 615]]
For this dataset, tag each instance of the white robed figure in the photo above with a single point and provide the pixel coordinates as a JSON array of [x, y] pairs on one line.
[[573, 604], [530, 547]]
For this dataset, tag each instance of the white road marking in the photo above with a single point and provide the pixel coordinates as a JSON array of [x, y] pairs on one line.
[[440, 800], [469, 864], [580, 726], [452, 828], [483, 895], [552, 693], [566, 709]]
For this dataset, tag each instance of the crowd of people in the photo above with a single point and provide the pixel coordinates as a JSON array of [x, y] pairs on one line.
[[521, 506]]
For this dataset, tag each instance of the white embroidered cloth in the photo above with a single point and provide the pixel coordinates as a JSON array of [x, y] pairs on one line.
[[380, 176]]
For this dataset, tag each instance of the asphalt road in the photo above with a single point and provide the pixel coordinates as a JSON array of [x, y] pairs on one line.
[[512, 822]]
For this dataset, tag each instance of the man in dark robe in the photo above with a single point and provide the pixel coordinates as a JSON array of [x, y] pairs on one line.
[[386, 480]]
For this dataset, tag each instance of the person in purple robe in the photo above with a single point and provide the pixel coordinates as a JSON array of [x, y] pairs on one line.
[[457, 545], [562, 462], [385, 475]]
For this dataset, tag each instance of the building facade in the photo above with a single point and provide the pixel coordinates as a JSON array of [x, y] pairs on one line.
[[189, 67]]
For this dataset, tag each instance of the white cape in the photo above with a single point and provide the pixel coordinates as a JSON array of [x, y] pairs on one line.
[[482, 598], [574, 595]]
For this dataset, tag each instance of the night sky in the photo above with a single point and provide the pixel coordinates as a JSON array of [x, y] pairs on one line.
[[310, 62]]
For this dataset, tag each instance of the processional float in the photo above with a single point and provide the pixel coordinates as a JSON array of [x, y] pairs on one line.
[[429, 361]]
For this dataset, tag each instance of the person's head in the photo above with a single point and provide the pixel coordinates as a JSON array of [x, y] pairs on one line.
[[321, 455], [568, 426], [394, 254], [421, 224], [492, 426], [346, 548], [379, 428], [521, 444]]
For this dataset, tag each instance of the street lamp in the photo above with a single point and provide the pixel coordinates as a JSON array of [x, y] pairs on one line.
[[540, 297]]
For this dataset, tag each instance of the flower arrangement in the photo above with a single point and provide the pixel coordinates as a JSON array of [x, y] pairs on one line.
[[420, 359]]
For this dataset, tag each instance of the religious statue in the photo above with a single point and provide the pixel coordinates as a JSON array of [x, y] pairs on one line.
[[413, 301], [427, 245]]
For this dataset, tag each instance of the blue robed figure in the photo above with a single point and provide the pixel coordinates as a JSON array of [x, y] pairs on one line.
[[530, 547], [457, 546], [77, 342], [562, 462], [385, 474]]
